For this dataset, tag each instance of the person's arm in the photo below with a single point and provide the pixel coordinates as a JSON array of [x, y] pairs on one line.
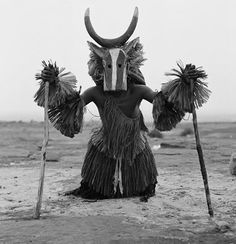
[[67, 114], [146, 93], [89, 95], [165, 114]]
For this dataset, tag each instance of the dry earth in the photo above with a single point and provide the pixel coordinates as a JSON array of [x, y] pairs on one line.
[[177, 214]]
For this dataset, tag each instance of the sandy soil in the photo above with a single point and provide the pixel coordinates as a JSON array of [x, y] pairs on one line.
[[176, 214]]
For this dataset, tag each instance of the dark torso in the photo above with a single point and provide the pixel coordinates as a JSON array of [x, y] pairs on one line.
[[127, 101]]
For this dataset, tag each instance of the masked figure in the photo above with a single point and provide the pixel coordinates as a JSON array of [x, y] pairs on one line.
[[119, 161]]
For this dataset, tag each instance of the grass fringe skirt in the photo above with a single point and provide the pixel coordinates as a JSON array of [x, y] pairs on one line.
[[138, 177]]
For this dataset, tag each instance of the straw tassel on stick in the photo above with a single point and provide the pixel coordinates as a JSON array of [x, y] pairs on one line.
[[54, 90], [44, 151], [189, 92]]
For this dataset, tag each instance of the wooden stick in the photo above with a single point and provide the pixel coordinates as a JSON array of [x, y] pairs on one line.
[[202, 164], [43, 151]]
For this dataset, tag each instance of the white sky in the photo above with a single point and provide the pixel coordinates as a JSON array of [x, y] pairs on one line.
[[202, 32]]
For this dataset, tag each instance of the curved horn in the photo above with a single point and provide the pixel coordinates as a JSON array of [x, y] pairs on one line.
[[110, 43]]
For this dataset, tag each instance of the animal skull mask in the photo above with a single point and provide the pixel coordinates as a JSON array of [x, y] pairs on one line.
[[113, 54]]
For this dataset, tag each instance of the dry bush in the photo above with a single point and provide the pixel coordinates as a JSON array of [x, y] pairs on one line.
[[232, 164], [186, 132], [155, 134]]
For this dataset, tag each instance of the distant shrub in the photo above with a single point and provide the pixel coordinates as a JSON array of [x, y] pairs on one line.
[[186, 132], [155, 134]]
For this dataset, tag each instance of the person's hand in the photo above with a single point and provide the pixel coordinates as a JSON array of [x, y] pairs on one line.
[[49, 75]]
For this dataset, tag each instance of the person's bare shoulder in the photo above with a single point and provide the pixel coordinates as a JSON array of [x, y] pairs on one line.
[[144, 92], [92, 94]]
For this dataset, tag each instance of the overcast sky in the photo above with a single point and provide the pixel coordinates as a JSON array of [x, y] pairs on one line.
[[202, 32]]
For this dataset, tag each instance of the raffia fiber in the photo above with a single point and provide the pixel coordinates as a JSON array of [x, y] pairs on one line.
[[61, 85], [98, 173], [136, 77], [135, 55], [121, 135], [165, 114], [120, 138], [187, 90], [68, 117]]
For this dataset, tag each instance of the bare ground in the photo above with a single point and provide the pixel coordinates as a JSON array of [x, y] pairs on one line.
[[176, 214]]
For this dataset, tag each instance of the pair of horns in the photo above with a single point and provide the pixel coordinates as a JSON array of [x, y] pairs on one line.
[[111, 43]]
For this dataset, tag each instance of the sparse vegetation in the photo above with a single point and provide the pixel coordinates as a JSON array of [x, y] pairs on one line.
[[155, 134], [186, 131]]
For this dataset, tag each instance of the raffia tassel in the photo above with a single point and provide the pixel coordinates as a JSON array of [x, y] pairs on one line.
[[119, 130], [165, 115], [68, 117], [187, 90], [98, 172], [61, 85]]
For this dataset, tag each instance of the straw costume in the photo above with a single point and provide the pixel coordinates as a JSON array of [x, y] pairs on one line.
[[119, 161]]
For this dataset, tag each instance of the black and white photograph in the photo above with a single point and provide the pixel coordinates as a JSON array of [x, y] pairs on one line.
[[118, 122]]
